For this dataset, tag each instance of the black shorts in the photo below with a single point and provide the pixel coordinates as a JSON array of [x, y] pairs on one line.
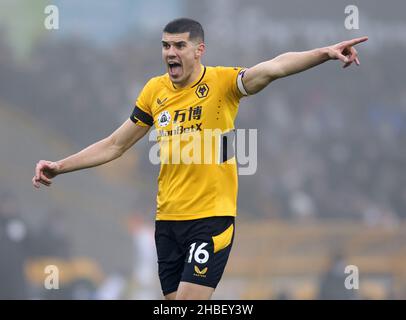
[[193, 251]]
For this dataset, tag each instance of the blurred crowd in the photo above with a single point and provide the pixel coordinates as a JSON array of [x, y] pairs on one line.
[[324, 151]]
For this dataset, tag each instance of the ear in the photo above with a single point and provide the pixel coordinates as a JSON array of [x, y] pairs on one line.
[[200, 50]]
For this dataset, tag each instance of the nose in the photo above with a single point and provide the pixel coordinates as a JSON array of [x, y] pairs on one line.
[[171, 52]]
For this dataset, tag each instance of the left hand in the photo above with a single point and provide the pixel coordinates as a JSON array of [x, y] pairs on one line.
[[345, 51]]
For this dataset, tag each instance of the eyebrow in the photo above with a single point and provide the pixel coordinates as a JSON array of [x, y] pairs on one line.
[[174, 42]]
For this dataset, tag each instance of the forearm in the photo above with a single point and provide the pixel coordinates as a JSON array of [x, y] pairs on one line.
[[294, 62], [94, 155], [262, 74]]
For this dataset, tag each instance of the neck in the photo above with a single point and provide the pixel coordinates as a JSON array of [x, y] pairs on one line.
[[192, 78]]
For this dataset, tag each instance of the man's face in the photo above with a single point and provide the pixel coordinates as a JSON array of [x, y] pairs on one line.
[[181, 56]]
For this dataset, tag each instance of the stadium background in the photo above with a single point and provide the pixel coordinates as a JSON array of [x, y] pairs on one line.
[[330, 188]]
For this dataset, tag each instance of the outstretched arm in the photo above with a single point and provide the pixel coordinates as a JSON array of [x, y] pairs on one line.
[[96, 154], [259, 76]]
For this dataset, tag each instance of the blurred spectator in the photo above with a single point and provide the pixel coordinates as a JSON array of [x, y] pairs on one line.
[[332, 283], [145, 259], [13, 241], [113, 288]]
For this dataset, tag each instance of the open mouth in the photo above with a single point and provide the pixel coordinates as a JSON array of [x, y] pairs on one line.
[[175, 69]]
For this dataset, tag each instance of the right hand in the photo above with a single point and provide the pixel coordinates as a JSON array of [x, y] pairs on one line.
[[44, 172]]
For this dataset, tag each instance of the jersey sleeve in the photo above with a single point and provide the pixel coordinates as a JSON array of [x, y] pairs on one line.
[[231, 79], [142, 114]]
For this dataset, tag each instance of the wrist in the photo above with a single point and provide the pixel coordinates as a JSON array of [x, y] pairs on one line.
[[324, 53], [59, 167]]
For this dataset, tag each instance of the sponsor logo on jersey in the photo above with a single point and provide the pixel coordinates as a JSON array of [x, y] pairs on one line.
[[200, 273], [161, 102], [180, 130], [188, 114]]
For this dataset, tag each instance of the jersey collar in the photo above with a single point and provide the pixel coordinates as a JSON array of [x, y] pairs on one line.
[[201, 76]]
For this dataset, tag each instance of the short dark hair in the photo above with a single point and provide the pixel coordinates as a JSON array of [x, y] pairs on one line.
[[183, 25]]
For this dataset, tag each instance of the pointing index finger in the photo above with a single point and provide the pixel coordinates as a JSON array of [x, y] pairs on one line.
[[355, 41]]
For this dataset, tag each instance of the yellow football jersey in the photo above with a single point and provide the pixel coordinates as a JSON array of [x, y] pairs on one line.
[[195, 131]]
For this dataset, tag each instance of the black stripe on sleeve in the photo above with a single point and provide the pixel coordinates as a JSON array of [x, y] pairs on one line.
[[139, 115]]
